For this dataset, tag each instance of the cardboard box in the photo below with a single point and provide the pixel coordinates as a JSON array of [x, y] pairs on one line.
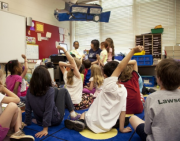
[[169, 48], [177, 48], [177, 53], [170, 52]]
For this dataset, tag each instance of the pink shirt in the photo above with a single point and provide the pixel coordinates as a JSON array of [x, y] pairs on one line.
[[109, 55], [10, 83]]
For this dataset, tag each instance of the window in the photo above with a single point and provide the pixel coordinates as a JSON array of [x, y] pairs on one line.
[[129, 18]]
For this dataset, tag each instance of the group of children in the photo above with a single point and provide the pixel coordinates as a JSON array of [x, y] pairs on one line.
[[110, 89]]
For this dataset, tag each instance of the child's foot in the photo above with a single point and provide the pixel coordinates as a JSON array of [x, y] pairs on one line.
[[21, 136], [21, 104], [75, 117], [76, 125]]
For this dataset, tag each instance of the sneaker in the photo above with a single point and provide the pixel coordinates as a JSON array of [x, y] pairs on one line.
[[21, 136], [21, 104], [76, 125], [76, 117]]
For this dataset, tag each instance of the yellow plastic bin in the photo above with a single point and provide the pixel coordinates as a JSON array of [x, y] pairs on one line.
[[140, 53]]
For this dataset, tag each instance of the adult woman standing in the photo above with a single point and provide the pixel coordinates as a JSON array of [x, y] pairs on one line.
[[93, 51]]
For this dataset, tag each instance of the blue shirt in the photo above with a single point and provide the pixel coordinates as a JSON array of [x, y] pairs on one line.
[[88, 75], [92, 54], [43, 107]]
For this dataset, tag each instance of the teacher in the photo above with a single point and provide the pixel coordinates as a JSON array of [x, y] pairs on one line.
[[93, 51]]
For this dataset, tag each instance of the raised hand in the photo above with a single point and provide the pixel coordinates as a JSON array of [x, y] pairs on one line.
[[60, 48], [138, 49], [23, 56]]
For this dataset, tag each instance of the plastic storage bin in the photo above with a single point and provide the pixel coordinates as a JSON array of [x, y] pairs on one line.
[[157, 31], [140, 53], [143, 60], [118, 58], [149, 81]]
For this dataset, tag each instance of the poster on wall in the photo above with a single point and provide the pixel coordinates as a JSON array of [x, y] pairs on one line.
[[39, 27], [30, 40], [4, 6]]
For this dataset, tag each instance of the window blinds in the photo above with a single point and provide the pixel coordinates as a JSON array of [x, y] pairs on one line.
[[129, 18]]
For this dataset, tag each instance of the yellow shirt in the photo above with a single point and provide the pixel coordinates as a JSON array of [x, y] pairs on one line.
[[76, 53], [103, 53]]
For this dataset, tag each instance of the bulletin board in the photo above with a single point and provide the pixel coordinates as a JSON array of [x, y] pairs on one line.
[[46, 47]]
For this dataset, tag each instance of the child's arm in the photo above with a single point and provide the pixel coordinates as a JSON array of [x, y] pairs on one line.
[[95, 62], [11, 97], [100, 61], [25, 66], [125, 61], [91, 86], [121, 123], [134, 63], [71, 61], [15, 90], [62, 66]]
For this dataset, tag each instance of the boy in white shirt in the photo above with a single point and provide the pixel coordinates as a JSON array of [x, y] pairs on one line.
[[110, 103]]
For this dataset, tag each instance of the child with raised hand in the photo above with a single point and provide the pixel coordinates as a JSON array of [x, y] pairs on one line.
[[11, 117], [96, 80], [129, 78], [73, 81], [110, 104], [161, 107], [47, 103], [23, 84], [14, 81]]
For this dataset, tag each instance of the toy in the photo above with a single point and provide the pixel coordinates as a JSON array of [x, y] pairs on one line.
[[81, 12]]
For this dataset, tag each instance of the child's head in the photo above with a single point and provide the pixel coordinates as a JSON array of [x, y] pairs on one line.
[[40, 81], [104, 45], [14, 67], [70, 73], [95, 44], [97, 75], [73, 55], [76, 44], [109, 68], [126, 73], [82, 69], [87, 64], [110, 43], [168, 74]]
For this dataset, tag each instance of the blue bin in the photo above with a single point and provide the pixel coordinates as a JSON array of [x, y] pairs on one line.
[[118, 58], [149, 81], [143, 60]]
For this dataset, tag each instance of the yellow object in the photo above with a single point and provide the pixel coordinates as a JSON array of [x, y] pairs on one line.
[[158, 26], [129, 115], [140, 53], [91, 135], [145, 95]]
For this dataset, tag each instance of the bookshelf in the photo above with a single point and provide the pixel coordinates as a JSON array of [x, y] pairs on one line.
[[152, 44]]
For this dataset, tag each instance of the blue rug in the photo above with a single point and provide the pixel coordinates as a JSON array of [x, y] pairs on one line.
[[58, 133]]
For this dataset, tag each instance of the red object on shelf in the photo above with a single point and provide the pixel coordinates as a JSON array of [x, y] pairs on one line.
[[46, 47]]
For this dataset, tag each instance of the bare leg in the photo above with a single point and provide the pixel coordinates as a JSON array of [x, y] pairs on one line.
[[8, 114], [135, 121], [18, 122], [82, 116]]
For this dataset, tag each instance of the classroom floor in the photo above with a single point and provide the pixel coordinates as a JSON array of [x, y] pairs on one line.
[[60, 133]]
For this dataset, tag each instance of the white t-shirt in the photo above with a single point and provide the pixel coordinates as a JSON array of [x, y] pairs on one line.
[[98, 89], [1, 98], [74, 90], [106, 108], [23, 85]]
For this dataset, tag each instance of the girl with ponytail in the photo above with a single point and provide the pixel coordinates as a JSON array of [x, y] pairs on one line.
[[73, 81]]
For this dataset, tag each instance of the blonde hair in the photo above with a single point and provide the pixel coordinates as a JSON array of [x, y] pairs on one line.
[[97, 75], [126, 73], [70, 73]]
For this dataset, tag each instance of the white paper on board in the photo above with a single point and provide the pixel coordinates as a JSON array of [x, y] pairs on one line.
[[61, 38], [39, 36], [61, 30], [48, 34]]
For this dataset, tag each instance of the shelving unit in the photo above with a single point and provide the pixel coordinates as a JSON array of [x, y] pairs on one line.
[[152, 44]]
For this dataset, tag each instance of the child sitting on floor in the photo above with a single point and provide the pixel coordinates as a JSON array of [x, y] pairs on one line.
[[47, 103], [162, 107], [110, 104], [129, 78], [87, 74], [73, 81], [96, 80], [82, 71], [14, 81], [11, 117]]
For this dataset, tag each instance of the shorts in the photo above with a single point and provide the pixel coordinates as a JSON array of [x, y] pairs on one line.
[[140, 132], [3, 132]]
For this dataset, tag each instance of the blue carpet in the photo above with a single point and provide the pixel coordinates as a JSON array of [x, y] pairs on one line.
[[60, 133]]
